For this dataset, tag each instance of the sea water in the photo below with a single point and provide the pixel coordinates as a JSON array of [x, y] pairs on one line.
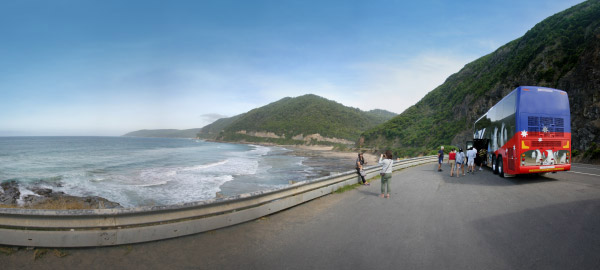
[[145, 171]]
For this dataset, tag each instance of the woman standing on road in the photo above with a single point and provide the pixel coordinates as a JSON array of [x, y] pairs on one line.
[[386, 172], [452, 161]]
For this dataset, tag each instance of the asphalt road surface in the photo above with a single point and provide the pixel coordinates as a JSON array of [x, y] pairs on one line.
[[431, 221]]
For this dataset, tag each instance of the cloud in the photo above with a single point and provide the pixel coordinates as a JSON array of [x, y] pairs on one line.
[[395, 86], [489, 44], [392, 85], [195, 96], [211, 117]]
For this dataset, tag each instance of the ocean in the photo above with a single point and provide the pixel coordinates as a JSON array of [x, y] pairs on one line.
[[146, 171]]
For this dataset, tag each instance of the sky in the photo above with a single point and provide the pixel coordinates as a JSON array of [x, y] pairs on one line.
[[108, 67]]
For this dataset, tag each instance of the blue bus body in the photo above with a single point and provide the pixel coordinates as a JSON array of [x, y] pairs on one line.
[[529, 131]]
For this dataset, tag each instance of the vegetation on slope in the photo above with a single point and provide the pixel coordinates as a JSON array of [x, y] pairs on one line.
[[304, 115], [551, 54], [213, 130]]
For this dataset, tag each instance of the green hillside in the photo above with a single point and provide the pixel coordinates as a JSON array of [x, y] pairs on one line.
[[290, 120], [561, 52], [213, 130]]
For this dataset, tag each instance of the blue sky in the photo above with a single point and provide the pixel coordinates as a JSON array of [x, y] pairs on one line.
[[109, 67]]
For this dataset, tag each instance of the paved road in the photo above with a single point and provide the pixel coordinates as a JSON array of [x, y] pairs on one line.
[[432, 221]]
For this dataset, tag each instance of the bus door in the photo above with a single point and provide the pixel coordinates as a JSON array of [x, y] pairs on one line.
[[511, 159], [482, 148]]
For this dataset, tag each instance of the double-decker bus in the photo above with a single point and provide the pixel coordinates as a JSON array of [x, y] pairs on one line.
[[528, 131]]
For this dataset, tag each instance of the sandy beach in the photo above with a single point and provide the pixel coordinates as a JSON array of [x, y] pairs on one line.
[[324, 157]]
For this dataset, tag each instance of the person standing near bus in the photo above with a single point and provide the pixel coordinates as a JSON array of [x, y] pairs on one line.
[[482, 156], [460, 161], [471, 154], [452, 161], [440, 158]]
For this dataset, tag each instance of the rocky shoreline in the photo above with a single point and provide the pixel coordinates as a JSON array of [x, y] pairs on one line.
[[328, 161], [46, 198], [323, 159]]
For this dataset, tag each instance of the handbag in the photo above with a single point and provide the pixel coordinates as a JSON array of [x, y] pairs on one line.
[[363, 173]]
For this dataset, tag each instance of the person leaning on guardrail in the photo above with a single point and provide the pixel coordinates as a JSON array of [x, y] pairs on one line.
[[386, 172], [360, 162]]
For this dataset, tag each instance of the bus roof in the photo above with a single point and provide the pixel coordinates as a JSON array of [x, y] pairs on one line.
[[543, 100]]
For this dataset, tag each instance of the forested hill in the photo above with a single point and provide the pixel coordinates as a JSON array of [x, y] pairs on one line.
[[561, 52], [305, 119]]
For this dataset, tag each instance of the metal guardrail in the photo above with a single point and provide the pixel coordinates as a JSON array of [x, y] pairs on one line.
[[106, 227]]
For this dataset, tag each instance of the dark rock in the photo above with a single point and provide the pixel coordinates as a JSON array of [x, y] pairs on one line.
[[42, 191], [101, 203], [34, 200], [45, 198], [10, 192]]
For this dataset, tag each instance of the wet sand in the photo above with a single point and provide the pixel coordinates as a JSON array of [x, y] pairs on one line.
[[327, 161]]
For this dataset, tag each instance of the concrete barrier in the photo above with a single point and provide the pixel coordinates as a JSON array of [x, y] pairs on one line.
[[106, 227]]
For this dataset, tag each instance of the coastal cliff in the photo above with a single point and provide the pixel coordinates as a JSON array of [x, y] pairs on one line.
[[561, 52]]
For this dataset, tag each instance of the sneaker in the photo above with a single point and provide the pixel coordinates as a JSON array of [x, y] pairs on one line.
[[480, 169]]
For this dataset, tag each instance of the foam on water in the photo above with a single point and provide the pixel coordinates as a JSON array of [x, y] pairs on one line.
[[143, 171]]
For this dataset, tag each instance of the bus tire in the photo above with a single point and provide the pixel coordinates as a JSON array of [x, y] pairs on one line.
[[494, 165], [500, 167]]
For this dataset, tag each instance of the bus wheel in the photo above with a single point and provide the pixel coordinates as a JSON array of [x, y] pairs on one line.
[[500, 167], [494, 165]]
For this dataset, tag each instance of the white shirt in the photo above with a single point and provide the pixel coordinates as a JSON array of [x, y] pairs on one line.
[[471, 154], [387, 165]]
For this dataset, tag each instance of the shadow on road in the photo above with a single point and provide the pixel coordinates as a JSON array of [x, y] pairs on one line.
[[371, 191], [559, 236], [488, 178]]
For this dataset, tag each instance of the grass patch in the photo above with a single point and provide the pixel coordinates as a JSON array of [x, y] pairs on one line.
[[351, 187], [346, 188], [39, 253], [60, 253], [6, 250], [60, 203]]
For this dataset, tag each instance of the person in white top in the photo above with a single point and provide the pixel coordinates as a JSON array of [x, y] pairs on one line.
[[471, 154], [460, 162], [386, 172]]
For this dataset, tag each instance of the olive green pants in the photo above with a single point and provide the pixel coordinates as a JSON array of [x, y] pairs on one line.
[[385, 182]]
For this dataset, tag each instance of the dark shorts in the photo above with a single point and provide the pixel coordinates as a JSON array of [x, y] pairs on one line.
[[440, 160]]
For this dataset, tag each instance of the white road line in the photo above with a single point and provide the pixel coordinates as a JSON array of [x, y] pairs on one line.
[[585, 173], [579, 165], [586, 168]]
